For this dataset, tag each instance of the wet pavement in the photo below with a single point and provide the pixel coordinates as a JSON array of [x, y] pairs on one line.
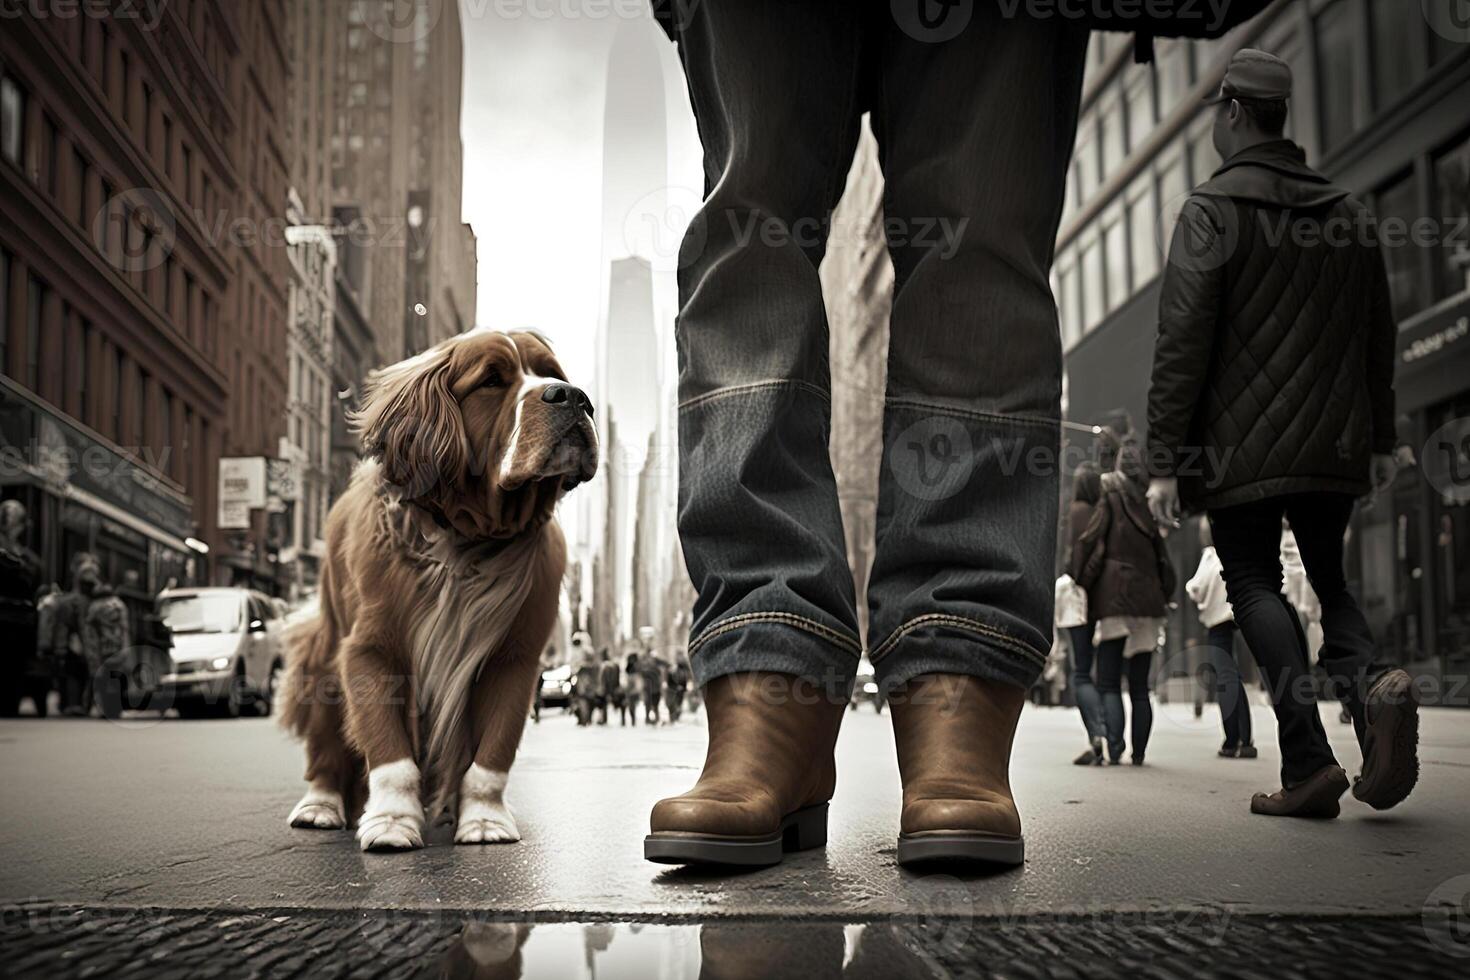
[[176, 831]]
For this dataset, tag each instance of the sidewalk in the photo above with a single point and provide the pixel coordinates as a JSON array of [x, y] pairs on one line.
[[1122, 858]]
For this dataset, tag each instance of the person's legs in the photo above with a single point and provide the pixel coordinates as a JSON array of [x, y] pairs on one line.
[[1141, 709], [975, 135], [1110, 688], [1248, 540], [1089, 704], [775, 91], [974, 121], [1228, 693], [1380, 698]]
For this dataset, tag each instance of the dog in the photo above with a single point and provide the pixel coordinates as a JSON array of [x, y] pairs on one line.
[[412, 679]]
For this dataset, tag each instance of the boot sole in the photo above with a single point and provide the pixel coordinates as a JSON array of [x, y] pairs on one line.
[[1393, 757], [961, 848], [801, 830]]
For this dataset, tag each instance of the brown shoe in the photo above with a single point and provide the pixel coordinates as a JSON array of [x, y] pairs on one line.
[[1316, 796], [1390, 742], [767, 776], [954, 736]]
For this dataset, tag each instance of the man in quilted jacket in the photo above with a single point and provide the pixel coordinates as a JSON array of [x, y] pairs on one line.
[[1273, 398]]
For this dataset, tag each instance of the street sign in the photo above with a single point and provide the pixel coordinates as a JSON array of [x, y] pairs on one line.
[[242, 487]]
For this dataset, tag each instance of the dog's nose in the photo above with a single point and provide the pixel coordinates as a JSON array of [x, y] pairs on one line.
[[557, 394]]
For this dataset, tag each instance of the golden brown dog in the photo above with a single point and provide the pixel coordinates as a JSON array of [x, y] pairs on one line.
[[440, 588]]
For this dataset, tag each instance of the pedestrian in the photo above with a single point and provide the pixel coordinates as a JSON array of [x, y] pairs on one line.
[[73, 679], [631, 689], [23, 670], [1072, 616], [107, 643], [675, 689], [1121, 561], [974, 108], [612, 687], [1273, 396], [1207, 589], [651, 673], [586, 687]]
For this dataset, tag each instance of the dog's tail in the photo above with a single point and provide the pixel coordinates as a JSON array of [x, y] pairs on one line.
[[308, 659]]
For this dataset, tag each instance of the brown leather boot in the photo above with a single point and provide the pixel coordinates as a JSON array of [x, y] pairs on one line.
[[767, 776], [1314, 797], [954, 736]]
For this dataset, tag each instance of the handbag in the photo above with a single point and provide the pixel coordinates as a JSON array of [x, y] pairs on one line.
[[1071, 603]]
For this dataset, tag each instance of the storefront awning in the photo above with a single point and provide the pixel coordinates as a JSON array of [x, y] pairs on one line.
[[114, 513]]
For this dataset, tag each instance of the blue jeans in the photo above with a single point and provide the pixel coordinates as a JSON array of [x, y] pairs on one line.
[[1089, 702], [1230, 695], [1111, 667], [975, 136]]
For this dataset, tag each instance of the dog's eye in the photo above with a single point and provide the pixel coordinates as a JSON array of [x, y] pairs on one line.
[[493, 380]]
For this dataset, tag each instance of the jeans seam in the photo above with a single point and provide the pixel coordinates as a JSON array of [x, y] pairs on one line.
[[780, 618], [958, 622], [971, 413], [709, 396]]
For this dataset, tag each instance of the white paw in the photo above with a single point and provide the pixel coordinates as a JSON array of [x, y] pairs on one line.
[[393, 819], [319, 809], [483, 816], [486, 823], [390, 832]]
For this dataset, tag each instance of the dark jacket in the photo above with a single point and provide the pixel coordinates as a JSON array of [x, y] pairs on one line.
[[1079, 515], [1121, 561], [1273, 372]]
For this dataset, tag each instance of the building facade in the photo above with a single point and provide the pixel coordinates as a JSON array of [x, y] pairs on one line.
[[1379, 106], [118, 299]]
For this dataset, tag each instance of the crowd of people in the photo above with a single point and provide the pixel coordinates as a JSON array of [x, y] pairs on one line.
[[645, 683], [86, 645]]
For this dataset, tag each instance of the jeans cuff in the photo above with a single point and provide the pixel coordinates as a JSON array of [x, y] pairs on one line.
[[777, 642], [944, 644]]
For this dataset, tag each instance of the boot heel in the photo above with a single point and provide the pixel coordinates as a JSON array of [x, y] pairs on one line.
[[805, 829]]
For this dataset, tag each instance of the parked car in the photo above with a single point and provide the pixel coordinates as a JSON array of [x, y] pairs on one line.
[[228, 651], [556, 686], [866, 687]]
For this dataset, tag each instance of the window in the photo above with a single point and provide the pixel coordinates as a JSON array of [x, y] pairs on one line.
[[1173, 70], [1114, 138], [35, 309], [116, 376], [84, 406], [168, 147], [1452, 200], [1143, 231], [1085, 161], [167, 462], [140, 409], [1395, 58], [52, 166], [1139, 98], [1115, 255], [1337, 82], [81, 176], [1093, 297], [1398, 208], [4, 311], [1205, 160], [12, 119]]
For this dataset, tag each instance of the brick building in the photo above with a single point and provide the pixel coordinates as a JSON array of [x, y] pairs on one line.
[[142, 295]]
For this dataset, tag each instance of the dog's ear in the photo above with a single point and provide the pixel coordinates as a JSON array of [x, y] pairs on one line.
[[411, 422]]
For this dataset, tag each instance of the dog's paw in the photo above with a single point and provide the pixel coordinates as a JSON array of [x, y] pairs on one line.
[[483, 816], [319, 809], [486, 823], [390, 832], [393, 819]]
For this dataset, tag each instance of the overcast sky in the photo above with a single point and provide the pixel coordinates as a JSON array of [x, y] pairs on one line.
[[535, 87]]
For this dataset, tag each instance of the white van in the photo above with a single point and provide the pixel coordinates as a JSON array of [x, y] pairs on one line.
[[228, 652]]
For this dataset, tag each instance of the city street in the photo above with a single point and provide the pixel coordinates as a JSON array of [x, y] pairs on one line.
[[144, 832]]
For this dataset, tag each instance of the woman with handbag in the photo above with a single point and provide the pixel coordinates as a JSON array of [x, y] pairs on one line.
[[1122, 563]]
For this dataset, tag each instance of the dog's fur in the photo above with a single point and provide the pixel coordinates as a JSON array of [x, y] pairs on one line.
[[440, 588]]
